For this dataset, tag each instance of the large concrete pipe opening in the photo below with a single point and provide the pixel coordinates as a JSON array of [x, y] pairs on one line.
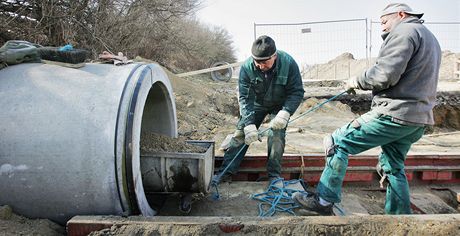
[[69, 138]]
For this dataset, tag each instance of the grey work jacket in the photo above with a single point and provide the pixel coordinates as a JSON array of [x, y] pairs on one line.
[[405, 76]]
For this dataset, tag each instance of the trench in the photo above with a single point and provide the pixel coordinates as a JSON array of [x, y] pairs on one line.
[[236, 194], [446, 111]]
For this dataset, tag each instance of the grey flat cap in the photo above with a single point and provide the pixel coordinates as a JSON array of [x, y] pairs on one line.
[[397, 7]]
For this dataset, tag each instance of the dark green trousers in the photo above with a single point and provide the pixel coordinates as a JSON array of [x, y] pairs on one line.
[[369, 131], [275, 145]]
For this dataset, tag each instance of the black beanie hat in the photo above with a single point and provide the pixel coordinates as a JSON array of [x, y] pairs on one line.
[[263, 48]]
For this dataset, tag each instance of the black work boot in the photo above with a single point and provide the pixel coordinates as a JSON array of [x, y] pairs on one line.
[[310, 203]]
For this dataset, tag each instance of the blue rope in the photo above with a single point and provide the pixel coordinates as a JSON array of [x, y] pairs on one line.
[[216, 195], [277, 199]]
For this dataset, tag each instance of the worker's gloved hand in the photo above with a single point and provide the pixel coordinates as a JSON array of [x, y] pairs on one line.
[[351, 84], [250, 134], [281, 120]]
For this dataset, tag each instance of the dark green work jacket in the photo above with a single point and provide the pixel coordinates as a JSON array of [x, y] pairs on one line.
[[279, 88]]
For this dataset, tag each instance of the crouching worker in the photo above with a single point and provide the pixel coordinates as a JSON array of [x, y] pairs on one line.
[[269, 84], [403, 83]]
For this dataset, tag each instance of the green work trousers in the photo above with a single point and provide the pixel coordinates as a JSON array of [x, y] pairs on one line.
[[369, 131], [275, 145]]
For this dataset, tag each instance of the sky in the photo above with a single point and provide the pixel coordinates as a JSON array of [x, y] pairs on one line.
[[238, 16]]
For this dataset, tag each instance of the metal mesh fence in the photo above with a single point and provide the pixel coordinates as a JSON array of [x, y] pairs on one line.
[[314, 45], [317, 42], [447, 33]]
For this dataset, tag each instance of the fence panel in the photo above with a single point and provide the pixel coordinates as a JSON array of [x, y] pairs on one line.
[[447, 33], [318, 42], [314, 45]]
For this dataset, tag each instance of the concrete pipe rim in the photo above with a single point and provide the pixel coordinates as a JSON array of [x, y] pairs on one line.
[[223, 75], [142, 91]]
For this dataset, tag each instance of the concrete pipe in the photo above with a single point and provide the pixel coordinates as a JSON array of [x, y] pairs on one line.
[[69, 138], [221, 75]]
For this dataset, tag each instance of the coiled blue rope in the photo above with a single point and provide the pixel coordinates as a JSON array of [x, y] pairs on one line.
[[214, 184], [278, 199]]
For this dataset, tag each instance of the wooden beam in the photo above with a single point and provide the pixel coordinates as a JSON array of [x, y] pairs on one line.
[[308, 225], [430, 204], [196, 72]]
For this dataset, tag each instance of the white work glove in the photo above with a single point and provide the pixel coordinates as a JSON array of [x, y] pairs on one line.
[[250, 134], [351, 84], [237, 138], [280, 121]]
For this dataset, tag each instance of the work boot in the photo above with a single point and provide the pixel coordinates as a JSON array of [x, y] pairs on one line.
[[310, 203], [227, 177]]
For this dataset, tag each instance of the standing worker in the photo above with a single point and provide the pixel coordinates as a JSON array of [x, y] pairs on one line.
[[269, 83], [403, 82]]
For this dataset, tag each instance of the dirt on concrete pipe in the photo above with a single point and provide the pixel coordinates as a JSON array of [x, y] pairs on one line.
[[153, 142]]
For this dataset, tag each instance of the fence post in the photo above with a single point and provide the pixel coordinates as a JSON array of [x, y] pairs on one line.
[[457, 68], [317, 71], [335, 70], [349, 69]]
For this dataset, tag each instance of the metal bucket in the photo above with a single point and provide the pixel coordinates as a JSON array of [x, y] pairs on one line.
[[178, 172]]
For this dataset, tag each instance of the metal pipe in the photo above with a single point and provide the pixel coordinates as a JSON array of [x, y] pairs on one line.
[[69, 138]]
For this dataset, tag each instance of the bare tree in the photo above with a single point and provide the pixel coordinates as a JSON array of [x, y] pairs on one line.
[[161, 30]]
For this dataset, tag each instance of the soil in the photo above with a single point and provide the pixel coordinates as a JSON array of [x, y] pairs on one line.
[[234, 195], [153, 142], [212, 111], [12, 224]]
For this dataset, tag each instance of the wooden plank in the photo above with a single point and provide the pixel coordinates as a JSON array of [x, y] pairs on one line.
[[431, 204], [306, 225], [196, 72], [350, 206]]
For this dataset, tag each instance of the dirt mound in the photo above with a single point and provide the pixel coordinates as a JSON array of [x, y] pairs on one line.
[[12, 224], [345, 65], [342, 57], [448, 61], [203, 106]]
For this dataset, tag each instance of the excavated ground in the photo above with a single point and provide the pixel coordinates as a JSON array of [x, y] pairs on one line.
[[208, 110]]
